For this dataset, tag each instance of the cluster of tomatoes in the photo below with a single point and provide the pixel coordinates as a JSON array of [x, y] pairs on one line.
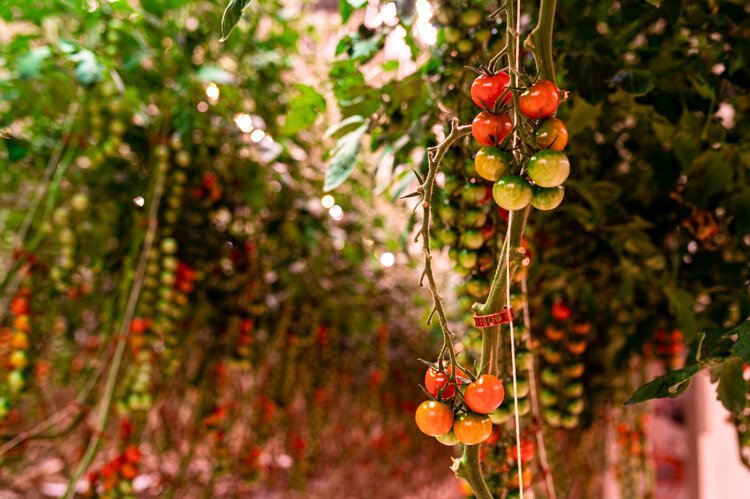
[[500, 455], [466, 418], [115, 477], [492, 128], [14, 350], [565, 341], [667, 347]]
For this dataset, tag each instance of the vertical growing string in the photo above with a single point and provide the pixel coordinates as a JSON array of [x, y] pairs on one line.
[[514, 75]]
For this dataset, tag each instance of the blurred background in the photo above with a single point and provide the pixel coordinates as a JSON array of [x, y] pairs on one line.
[[209, 282]]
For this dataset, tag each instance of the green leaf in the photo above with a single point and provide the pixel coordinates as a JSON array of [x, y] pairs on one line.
[[732, 386], [714, 175], [232, 15], [347, 7], [339, 127], [670, 384], [344, 158], [681, 304], [30, 64], [304, 109], [741, 346]]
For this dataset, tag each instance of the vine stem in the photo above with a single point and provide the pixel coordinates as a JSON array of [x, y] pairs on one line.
[[543, 461], [124, 329], [539, 40]]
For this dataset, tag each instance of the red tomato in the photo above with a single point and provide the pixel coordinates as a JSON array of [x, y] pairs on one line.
[[472, 429], [526, 477], [552, 134], [539, 100], [434, 418], [560, 311], [19, 306], [485, 394], [487, 89], [490, 129], [528, 451], [434, 380]]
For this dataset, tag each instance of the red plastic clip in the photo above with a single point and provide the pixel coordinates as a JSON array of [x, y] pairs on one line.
[[502, 317]]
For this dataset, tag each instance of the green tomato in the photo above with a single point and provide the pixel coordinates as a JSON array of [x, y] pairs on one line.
[[452, 35], [453, 185], [573, 390], [500, 415], [465, 303], [547, 397], [512, 192], [473, 219], [492, 163], [4, 407], [465, 46], [547, 198], [483, 35], [550, 377], [474, 194], [521, 383], [468, 259], [569, 421], [477, 287], [16, 381], [552, 355], [552, 417], [447, 237], [448, 214], [575, 407], [472, 239], [524, 407], [471, 17], [548, 168], [523, 359], [447, 439]]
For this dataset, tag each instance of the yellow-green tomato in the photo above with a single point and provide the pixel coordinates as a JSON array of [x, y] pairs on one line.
[[512, 192], [492, 163]]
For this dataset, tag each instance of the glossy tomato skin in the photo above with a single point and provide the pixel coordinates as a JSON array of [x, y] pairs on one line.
[[434, 418], [560, 311], [548, 168], [491, 163], [472, 429], [490, 129], [434, 380], [485, 394], [485, 90], [540, 100], [552, 134]]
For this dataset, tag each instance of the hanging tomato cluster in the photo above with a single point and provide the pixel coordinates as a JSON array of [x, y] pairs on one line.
[[546, 169], [14, 351], [667, 346]]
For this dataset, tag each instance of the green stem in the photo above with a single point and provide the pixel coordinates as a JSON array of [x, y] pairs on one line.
[[470, 469], [539, 40]]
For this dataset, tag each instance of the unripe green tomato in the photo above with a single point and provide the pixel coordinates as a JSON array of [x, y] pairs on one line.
[[472, 239], [468, 258], [524, 407], [161, 152], [550, 377], [477, 287], [552, 417], [168, 246], [492, 163], [447, 439], [168, 278], [474, 194], [465, 46], [575, 407], [170, 216], [552, 355], [169, 263], [448, 214], [453, 185], [573, 390], [512, 192], [524, 358], [483, 35], [16, 381], [448, 237], [547, 198], [182, 159], [521, 383], [547, 397], [500, 415], [116, 127], [67, 237], [80, 202], [473, 219], [452, 35], [61, 215], [4, 407], [573, 371], [569, 421], [471, 17], [548, 168]]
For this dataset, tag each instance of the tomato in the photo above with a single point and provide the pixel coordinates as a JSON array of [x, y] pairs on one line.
[[525, 476], [552, 134], [472, 239], [583, 328], [477, 287], [560, 311], [550, 377], [473, 219], [490, 129], [452, 35], [19, 306], [448, 438], [464, 488], [448, 237], [575, 407], [434, 380], [521, 383], [554, 334], [465, 46], [539, 100], [524, 358], [552, 417], [500, 415], [573, 390], [468, 259], [475, 194], [569, 421], [512, 192], [448, 214], [524, 407], [471, 17], [547, 198], [18, 359], [548, 168], [574, 370], [528, 451], [547, 397], [434, 418], [472, 429], [552, 355], [492, 163], [486, 90], [485, 394], [576, 347]]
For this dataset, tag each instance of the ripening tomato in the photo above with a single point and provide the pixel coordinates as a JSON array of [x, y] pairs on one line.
[[434, 380], [512, 192], [526, 477], [540, 100], [490, 129], [552, 134], [485, 394], [547, 198], [528, 451], [472, 429], [548, 168], [20, 306], [485, 90], [434, 418], [492, 163]]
